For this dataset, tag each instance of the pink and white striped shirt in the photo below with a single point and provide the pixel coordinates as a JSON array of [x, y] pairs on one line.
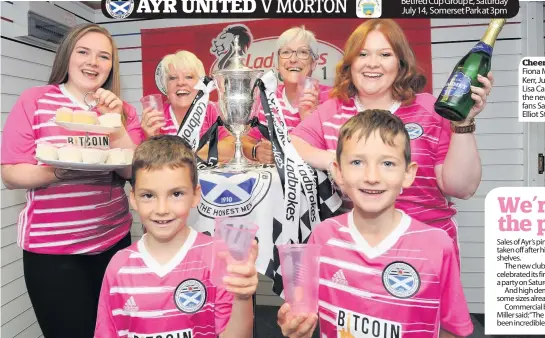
[[430, 138], [172, 125], [70, 217], [140, 298], [407, 286], [291, 114]]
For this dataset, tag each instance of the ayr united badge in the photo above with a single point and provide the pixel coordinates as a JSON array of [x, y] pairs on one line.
[[190, 295], [119, 9], [414, 130], [401, 280]]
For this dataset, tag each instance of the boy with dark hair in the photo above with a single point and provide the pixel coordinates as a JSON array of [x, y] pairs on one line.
[[160, 286]]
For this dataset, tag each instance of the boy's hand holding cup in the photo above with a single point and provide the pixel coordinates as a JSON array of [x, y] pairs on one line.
[[300, 325], [300, 266], [234, 254], [242, 279]]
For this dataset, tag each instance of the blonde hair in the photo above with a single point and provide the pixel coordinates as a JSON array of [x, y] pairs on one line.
[[299, 34], [181, 59], [59, 71]]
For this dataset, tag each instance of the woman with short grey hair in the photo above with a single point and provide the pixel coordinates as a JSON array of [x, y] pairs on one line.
[[297, 57]]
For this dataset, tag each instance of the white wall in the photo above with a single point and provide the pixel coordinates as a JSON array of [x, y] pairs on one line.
[[22, 67], [500, 137]]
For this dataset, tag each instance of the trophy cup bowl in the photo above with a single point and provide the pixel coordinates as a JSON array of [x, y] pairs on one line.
[[237, 98]]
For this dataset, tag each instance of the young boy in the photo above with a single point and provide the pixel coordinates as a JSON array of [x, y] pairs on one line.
[[382, 274], [160, 286]]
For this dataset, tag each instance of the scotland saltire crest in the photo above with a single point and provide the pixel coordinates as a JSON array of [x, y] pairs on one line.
[[190, 295], [232, 194], [119, 9], [401, 280]]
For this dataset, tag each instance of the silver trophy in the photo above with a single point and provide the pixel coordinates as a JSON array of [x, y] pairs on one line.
[[236, 97]]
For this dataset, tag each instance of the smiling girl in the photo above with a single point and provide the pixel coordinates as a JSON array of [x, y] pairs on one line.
[[73, 221]]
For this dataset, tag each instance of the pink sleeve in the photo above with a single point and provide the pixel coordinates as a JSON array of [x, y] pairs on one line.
[[444, 141], [324, 94], [223, 307], [454, 314], [18, 139], [311, 129], [255, 134], [105, 326], [133, 124]]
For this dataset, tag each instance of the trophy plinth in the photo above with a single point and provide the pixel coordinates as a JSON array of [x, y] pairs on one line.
[[237, 94]]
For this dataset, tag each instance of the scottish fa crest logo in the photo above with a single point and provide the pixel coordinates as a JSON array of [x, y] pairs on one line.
[[230, 194], [369, 8], [119, 9], [401, 280]]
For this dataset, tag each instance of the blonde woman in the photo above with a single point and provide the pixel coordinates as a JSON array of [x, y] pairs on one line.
[[181, 73], [73, 221]]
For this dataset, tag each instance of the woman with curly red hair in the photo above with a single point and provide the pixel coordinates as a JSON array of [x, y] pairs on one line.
[[378, 71]]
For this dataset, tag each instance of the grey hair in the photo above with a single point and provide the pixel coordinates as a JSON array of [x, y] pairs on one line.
[[299, 34]]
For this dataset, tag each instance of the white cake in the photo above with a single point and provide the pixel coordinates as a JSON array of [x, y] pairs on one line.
[[69, 154], [116, 156], [47, 151], [111, 120], [93, 155], [129, 154]]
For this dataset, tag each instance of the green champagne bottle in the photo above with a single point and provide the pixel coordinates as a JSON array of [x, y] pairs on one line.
[[455, 102]]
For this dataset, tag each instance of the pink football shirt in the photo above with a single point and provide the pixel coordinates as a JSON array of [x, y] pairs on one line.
[[407, 286], [172, 125], [430, 138], [140, 298], [291, 114], [70, 217]]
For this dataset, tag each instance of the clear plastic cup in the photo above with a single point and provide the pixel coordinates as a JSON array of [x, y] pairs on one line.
[[233, 239], [154, 100], [300, 267], [305, 83]]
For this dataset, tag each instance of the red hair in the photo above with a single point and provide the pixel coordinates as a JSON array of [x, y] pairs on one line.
[[409, 80]]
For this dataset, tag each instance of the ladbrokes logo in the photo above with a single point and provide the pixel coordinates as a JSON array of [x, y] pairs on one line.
[[261, 53]]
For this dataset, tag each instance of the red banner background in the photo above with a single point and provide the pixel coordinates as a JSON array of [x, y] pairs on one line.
[[332, 33]]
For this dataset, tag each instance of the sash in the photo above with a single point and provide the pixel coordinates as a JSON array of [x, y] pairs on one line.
[[192, 122], [211, 138], [296, 176]]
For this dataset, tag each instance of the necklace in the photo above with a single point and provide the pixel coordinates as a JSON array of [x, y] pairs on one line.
[[360, 108]]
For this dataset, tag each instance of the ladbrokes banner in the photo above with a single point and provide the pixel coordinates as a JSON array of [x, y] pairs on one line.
[[213, 45]]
